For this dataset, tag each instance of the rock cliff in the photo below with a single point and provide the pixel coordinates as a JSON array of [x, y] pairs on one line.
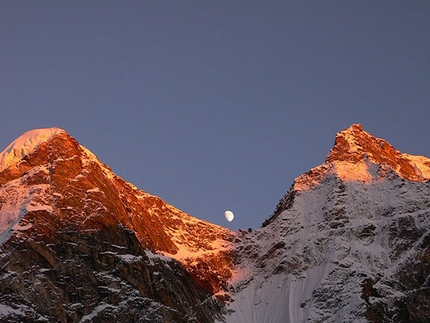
[[80, 243], [349, 242]]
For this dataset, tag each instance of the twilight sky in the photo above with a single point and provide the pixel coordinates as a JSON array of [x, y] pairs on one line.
[[216, 105]]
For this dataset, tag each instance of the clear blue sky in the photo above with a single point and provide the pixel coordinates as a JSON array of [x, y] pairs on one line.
[[216, 105]]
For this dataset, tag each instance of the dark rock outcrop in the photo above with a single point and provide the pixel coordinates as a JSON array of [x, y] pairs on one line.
[[100, 275]]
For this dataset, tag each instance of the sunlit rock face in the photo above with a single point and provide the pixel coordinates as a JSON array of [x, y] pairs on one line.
[[360, 156], [349, 242], [356, 146], [76, 238]]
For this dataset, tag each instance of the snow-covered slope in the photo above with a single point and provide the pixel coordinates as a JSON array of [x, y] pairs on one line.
[[179, 236], [24, 145], [60, 205], [348, 243]]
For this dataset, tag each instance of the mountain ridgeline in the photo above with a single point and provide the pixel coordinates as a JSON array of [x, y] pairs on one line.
[[349, 242]]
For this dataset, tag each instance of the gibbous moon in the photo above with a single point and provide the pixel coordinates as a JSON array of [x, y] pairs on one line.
[[229, 216]]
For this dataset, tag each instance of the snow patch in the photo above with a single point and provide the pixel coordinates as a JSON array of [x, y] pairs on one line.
[[129, 258], [15, 202], [7, 310], [95, 312], [157, 257]]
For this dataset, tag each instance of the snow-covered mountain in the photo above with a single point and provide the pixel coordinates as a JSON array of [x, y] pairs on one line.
[[80, 243], [349, 242]]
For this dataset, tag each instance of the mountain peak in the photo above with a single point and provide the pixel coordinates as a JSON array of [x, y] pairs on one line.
[[359, 156], [25, 144], [353, 144], [63, 186]]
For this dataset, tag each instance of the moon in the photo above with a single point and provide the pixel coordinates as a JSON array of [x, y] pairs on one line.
[[229, 216]]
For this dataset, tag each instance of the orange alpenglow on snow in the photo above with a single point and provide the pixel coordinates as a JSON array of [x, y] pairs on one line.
[[24, 144], [359, 156], [63, 186]]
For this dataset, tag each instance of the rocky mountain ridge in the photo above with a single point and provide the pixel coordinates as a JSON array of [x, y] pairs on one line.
[[359, 156], [349, 242], [57, 191]]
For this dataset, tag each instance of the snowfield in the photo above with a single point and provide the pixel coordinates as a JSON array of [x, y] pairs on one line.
[[340, 241], [335, 237]]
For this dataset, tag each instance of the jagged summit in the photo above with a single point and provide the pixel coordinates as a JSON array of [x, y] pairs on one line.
[[50, 183], [349, 242], [80, 244], [359, 156], [25, 144]]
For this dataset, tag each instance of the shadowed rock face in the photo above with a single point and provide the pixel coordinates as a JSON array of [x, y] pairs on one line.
[[80, 242], [99, 275]]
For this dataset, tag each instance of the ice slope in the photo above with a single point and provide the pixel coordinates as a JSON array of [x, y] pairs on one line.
[[338, 242], [15, 202], [24, 144], [311, 263]]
